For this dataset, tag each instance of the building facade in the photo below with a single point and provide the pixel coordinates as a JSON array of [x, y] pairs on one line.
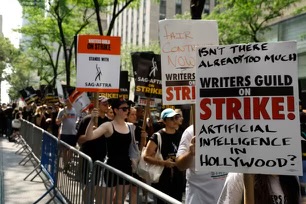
[[291, 27], [140, 26]]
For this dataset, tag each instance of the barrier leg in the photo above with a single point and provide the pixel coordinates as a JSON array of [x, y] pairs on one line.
[[46, 193], [32, 172], [24, 159]]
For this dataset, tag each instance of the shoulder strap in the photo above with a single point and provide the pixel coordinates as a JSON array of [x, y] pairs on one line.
[[113, 126], [159, 141], [132, 131]]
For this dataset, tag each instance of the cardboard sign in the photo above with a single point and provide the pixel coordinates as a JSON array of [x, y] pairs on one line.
[[178, 41], [79, 101], [124, 85], [247, 109], [98, 63], [60, 92], [147, 74]]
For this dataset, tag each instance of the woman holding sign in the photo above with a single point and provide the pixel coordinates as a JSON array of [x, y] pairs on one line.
[[118, 138], [268, 189], [171, 179]]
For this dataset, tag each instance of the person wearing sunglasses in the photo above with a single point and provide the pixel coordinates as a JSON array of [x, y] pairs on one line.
[[171, 178], [118, 139], [96, 148]]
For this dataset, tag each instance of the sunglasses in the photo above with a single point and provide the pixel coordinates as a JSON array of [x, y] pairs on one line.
[[124, 108], [176, 117]]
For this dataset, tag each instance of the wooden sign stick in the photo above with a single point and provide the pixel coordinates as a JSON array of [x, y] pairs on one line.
[[248, 188]]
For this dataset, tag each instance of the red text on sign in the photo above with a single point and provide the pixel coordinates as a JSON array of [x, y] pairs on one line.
[[180, 93], [267, 108]]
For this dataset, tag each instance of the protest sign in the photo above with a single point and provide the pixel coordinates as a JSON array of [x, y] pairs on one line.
[[60, 92], [48, 95], [79, 101], [142, 101], [247, 117], [178, 39], [124, 87], [98, 63], [29, 95], [147, 74]]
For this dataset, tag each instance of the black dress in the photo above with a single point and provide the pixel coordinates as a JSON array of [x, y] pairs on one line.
[[118, 156]]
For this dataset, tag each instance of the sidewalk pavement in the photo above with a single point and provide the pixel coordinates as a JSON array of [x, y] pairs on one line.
[[13, 188]]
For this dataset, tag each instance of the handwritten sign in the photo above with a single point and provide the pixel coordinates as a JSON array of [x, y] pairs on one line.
[[178, 39], [247, 117], [98, 63]]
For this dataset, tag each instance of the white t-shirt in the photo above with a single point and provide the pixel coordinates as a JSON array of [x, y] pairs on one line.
[[233, 190], [201, 187], [68, 125]]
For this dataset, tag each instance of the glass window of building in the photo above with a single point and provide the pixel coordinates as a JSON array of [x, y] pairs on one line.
[[178, 7], [162, 9]]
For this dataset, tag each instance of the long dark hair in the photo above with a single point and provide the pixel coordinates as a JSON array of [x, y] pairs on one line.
[[289, 185]]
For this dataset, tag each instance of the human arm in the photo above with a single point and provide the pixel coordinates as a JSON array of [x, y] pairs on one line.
[[232, 192], [60, 117], [104, 129], [186, 150], [150, 156], [143, 139], [185, 160]]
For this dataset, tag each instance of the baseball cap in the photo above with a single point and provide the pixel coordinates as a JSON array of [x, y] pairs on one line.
[[168, 113], [103, 99]]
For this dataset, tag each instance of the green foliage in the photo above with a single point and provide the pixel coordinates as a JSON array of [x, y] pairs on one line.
[[241, 21]]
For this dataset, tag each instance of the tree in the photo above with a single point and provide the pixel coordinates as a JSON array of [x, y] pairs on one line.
[[241, 21], [118, 6], [71, 18], [8, 53], [20, 76], [40, 42]]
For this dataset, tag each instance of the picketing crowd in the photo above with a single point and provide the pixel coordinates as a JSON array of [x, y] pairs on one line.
[[120, 123]]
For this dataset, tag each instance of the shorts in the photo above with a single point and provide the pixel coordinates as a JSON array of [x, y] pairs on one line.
[[69, 139], [112, 179]]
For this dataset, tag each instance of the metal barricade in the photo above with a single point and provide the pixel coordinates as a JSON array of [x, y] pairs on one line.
[[74, 173], [102, 194], [48, 164], [30, 140], [74, 178]]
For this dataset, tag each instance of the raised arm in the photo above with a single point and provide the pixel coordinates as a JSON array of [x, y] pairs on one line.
[[103, 129]]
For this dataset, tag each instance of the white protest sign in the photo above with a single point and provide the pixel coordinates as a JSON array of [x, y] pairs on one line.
[[79, 100], [247, 109], [98, 63], [143, 102], [178, 39], [60, 92]]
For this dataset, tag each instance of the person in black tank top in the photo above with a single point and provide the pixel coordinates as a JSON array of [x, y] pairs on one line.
[[118, 139], [170, 181]]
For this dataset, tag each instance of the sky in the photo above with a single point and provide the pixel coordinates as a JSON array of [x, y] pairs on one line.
[[11, 12]]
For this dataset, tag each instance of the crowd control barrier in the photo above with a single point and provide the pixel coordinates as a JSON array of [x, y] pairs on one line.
[[29, 138], [72, 176], [74, 172], [103, 173], [48, 164]]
